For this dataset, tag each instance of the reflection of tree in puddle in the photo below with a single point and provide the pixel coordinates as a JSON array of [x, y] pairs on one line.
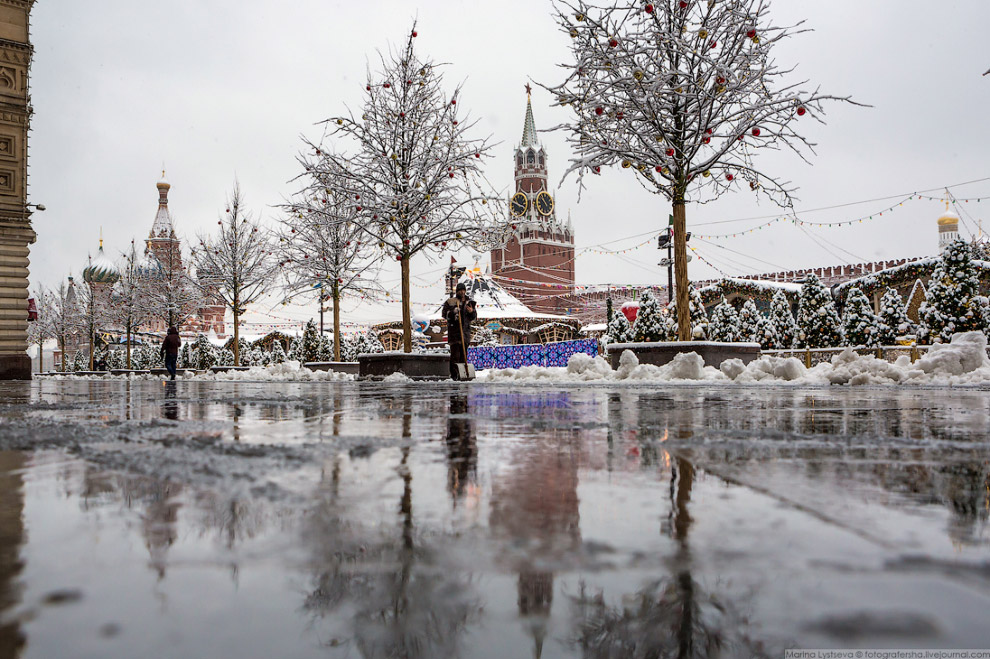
[[399, 600], [671, 617]]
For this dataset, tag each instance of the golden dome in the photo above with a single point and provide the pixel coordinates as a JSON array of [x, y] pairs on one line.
[[163, 184], [948, 218]]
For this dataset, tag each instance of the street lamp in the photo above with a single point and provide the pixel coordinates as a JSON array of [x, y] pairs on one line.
[[39, 207]]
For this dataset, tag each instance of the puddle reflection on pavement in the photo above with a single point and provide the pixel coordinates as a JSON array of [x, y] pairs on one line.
[[201, 519]]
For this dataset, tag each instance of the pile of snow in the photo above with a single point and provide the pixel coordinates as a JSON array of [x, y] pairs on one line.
[[288, 371], [963, 361]]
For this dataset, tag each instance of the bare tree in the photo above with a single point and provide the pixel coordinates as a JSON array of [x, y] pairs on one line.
[[683, 94], [323, 246], [40, 330], [129, 309], [237, 265], [170, 292], [414, 172], [94, 304], [64, 316]]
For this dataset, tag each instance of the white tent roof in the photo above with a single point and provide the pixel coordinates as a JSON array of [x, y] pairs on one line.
[[494, 302]]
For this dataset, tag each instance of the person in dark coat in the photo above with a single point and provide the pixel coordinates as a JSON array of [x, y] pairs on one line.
[[170, 350], [458, 311]]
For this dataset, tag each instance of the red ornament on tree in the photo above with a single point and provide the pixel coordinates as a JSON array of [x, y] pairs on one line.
[[670, 152], [598, 170], [451, 175], [599, 111], [729, 177], [619, 115], [707, 140], [386, 85], [683, 4], [756, 132], [415, 33], [477, 155], [714, 44], [658, 168], [613, 43], [801, 111], [359, 209], [649, 9], [751, 33], [453, 101], [368, 88]]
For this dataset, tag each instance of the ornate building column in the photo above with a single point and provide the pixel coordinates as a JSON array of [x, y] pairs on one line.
[[15, 216]]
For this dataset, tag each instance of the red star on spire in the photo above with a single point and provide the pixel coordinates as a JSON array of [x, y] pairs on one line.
[[529, 90]]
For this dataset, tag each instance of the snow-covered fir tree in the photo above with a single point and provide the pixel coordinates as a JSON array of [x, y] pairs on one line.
[[619, 330], [204, 354], [953, 303], [309, 344], [368, 343], [818, 321], [699, 318], [860, 326], [749, 317], [277, 355], [784, 327], [765, 334], [81, 361], [649, 325], [724, 323]]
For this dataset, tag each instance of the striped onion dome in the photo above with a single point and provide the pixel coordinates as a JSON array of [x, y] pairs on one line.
[[101, 270]]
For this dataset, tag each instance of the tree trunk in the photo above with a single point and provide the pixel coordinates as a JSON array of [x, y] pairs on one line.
[[237, 336], [92, 348], [680, 273], [41, 355], [336, 323], [406, 307], [128, 347], [61, 345]]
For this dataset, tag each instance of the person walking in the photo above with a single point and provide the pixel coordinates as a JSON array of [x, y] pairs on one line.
[[459, 311], [170, 350]]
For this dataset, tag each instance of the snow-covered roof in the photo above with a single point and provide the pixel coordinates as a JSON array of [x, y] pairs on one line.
[[495, 302], [787, 286]]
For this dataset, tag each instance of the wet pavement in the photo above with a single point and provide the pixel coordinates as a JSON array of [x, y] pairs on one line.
[[362, 519]]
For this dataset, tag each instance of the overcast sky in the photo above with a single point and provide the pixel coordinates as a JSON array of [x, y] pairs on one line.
[[223, 88]]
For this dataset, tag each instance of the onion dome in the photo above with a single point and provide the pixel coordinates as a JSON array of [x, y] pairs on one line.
[[948, 218], [101, 270], [162, 226]]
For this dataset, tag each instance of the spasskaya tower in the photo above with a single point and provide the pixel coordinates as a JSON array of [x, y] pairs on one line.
[[537, 262]]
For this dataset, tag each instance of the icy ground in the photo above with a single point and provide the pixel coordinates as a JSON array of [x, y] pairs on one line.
[[385, 519]]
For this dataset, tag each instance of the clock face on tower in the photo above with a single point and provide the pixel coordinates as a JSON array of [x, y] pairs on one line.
[[544, 203], [519, 204]]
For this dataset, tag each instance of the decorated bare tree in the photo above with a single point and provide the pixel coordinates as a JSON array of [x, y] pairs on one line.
[[237, 264], [413, 168], [683, 94], [129, 309], [323, 245]]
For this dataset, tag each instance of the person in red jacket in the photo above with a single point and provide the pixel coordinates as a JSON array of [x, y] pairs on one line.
[[170, 350]]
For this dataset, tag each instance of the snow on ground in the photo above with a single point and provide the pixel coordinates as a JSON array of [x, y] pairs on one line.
[[963, 361], [290, 371]]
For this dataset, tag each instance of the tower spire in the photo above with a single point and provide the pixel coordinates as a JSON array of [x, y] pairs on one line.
[[529, 128]]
